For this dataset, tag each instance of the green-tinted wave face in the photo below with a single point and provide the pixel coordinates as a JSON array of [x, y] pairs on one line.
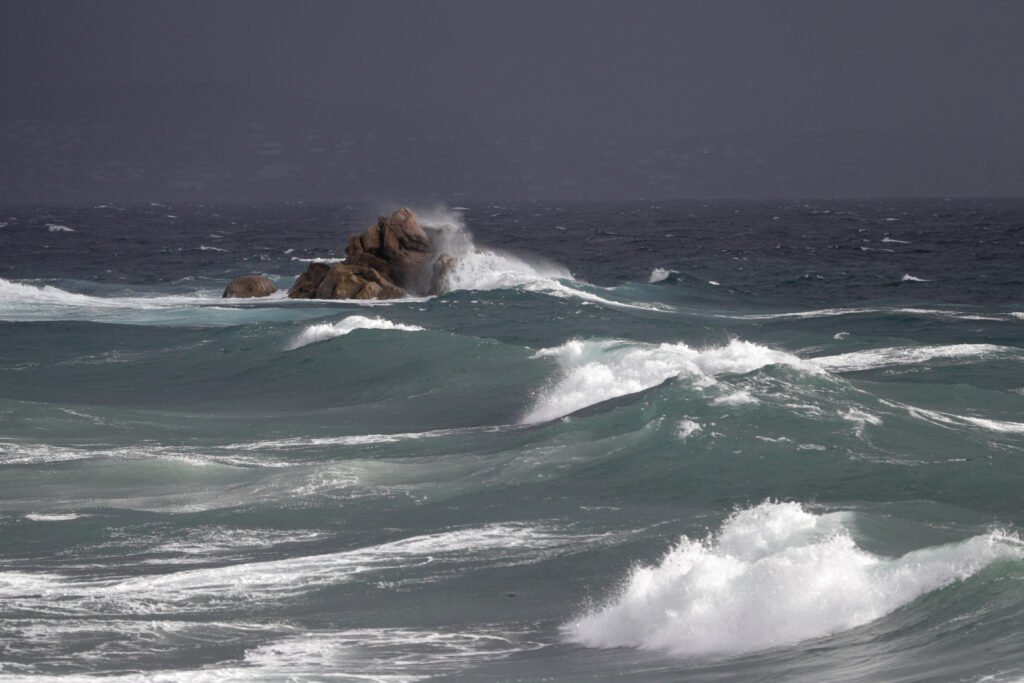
[[692, 441]]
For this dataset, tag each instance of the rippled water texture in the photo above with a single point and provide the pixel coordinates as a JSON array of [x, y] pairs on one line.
[[750, 441]]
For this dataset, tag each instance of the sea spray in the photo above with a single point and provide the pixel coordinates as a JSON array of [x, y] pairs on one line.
[[482, 268], [773, 575]]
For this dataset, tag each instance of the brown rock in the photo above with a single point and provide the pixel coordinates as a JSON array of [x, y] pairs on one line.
[[392, 257], [397, 247], [345, 281], [307, 284], [249, 286]]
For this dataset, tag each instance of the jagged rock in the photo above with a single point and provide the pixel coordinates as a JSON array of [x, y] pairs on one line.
[[307, 284], [249, 286], [345, 281], [397, 247], [390, 259]]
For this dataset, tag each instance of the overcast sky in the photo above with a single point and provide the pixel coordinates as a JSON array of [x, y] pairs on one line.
[[634, 69]]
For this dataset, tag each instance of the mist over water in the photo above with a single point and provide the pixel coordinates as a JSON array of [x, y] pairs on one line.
[[671, 441]]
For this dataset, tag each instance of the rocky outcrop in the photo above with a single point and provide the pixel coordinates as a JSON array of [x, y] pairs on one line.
[[307, 284], [393, 258], [249, 286]]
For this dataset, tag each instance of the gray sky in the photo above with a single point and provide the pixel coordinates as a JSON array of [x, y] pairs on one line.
[[647, 74]]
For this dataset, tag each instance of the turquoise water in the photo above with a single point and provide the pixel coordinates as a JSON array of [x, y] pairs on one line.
[[653, 441]]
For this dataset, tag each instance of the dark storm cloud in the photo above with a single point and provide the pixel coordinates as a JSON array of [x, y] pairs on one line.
[[648, 76]]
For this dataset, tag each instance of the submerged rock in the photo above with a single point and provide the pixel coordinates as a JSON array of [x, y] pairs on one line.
[[390, 259], [248, 286]]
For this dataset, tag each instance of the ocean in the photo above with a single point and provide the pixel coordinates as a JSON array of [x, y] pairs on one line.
[[655, 441]]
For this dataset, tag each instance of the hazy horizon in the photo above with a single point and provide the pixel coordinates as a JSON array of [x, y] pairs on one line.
[[457, 101]]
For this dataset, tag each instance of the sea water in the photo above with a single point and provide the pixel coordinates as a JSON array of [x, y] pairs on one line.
[[659, 441]]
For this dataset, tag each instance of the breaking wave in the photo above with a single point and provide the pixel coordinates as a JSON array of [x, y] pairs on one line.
[[480, 268], [772, 576], [324, 331], [596, 371]]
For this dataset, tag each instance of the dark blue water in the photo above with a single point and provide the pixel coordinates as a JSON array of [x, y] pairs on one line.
[[660, 441]]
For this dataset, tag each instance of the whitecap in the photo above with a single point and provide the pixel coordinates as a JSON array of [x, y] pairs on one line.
[[594, 371], [479, 268], [738, 398], [324, 331], [772, 576], [53, 227], [203, 247], [687, 428], [895, 241], [52, 517], [910, 278], [661, 274]]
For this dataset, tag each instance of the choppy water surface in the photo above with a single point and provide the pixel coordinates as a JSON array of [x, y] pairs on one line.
[[655, 441]]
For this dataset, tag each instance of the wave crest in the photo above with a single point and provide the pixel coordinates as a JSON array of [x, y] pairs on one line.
[[774, 575], [324, 331], [596, 371]]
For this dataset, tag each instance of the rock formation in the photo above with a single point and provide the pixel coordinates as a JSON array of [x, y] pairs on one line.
[[391, 259], [249, 286]]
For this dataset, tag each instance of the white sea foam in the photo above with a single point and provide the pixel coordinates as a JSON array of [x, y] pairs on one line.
[[15, 453], [833, 312], [52, 517], [324, 331], [595, 371], [910, 278], [772, 576], [444, 552], [202, 543], [661, 274], [953, 420], [738, 398], [948, 315], [687, 428], [909, 355], [20, 301], [399, 654], [481, 268], [300, 442], [798, 315], [203, 247], [53, 227], [895, 241], [273, 651]]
